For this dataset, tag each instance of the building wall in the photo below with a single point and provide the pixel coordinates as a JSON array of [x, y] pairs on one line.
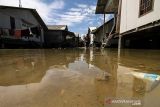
[[53, 38], [130, 15], [18, 14], [99, 34], [5, 21]]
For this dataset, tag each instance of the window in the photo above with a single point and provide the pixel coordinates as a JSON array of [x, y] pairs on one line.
[[145, 6]]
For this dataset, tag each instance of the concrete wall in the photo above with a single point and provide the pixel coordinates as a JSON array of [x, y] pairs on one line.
[[130, 15]]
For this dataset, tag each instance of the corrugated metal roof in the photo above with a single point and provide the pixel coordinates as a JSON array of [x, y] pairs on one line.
[[101, 6], [33, 11], [101, 27], [57, 27], [112, 6]]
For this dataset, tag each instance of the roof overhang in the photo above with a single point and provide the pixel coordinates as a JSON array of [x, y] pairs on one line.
[[40, 20], [101, 27], [107, 6]]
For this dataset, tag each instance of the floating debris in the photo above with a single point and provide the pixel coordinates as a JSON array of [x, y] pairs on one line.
[[33, 64], [152, 80], [142, 66], [62, 92], [151, 77], [104, 77], [17, 70]]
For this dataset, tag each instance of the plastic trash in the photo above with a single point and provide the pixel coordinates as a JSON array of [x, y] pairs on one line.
[[152, 82], [150, 77]]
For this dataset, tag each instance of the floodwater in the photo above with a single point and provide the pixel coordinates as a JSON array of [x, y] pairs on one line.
[[79, 78]]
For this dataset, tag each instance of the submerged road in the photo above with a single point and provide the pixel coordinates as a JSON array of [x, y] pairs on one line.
[[79, 78]]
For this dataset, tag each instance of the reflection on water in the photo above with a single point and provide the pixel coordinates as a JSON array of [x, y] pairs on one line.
[[72, 78]]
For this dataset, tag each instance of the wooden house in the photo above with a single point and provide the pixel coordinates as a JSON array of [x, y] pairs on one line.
[[58, 36], [21, 27]]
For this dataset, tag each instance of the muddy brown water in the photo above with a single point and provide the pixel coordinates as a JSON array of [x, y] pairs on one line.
[[79, 78]]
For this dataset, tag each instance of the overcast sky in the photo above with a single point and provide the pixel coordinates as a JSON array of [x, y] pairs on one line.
[[77, 14]]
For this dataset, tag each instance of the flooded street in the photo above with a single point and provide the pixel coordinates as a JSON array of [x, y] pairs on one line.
[[79, 78]]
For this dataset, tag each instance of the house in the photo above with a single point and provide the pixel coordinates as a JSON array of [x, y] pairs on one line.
[[79, 40], [90, 37], [140, 24], [99, 37], [21, 27], [58, 36], [137, 21], [71, 40], [109, 7]]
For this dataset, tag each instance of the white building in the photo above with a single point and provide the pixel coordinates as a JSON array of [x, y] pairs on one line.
[[137, 21], [137, 13], [91, 35]]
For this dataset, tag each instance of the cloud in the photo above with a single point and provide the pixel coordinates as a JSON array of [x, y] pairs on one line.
[[57, 4], [100, 19], [42, 7], [82, 5], [50, 11], [76, 15], [61, 12]]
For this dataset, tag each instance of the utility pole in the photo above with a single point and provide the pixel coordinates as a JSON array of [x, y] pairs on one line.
[[104, 33], [78, 39], [20, 4], [104, 20]]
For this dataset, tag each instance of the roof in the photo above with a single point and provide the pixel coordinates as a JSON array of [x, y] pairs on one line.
[[102, 25], [107, 6], [57, 27], [92, 28], [71, 34], [33, 11]]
